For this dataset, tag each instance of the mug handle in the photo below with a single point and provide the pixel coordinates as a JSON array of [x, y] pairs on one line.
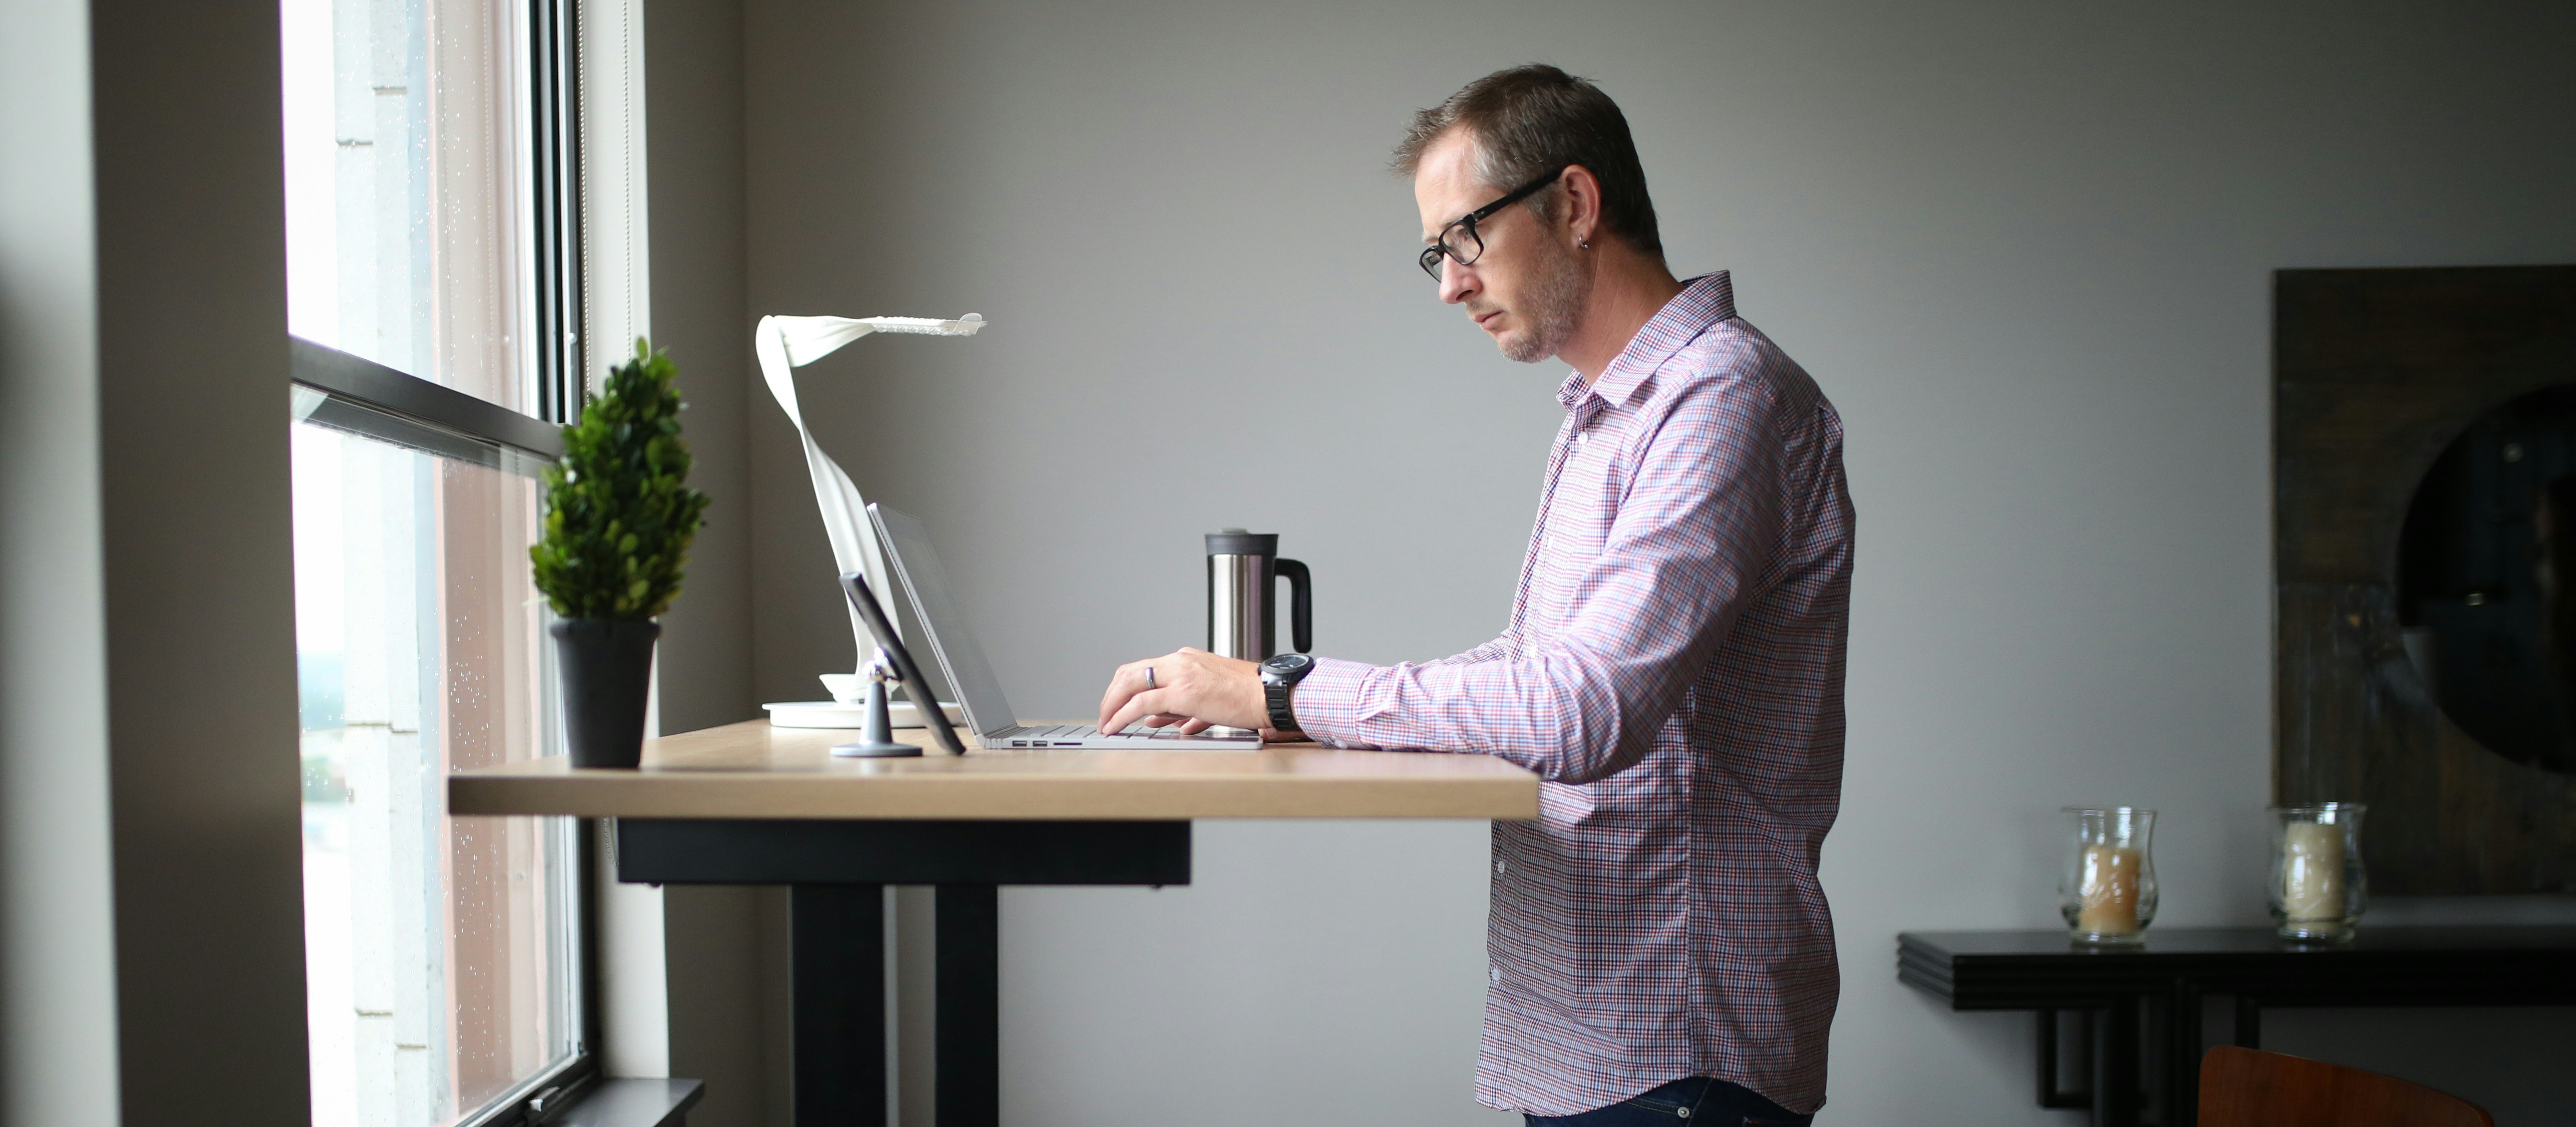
[[1301, 601]]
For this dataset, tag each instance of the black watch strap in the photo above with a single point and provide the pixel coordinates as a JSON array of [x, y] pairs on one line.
[[1283, 718], [1278, 686]]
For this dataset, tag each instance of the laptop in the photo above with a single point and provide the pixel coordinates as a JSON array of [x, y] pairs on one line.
[[979, 695]]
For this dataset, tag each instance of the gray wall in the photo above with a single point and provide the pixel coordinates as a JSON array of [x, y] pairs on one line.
[[57, 923], [149, 870], [693, 121], [693, 111], [2025, 247], [198, 569]]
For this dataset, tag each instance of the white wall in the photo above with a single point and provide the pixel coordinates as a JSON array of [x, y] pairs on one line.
[[2025, 248]]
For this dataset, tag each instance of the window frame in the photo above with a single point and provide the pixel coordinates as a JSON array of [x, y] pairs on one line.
[[389, 405], [386, 404], [554, 52]]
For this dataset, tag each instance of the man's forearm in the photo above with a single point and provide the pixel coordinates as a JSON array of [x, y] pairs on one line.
[[1559, 712]]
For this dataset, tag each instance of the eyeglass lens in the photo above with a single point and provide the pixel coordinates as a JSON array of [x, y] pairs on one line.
[[1460, 242]]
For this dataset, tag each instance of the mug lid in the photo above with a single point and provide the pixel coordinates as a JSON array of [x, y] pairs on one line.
[[1237, 542]]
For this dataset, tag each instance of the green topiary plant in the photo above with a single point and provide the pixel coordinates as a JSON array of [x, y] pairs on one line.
[[619, 512]]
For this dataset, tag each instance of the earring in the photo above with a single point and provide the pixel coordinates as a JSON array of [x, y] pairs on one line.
[[1587, 244]]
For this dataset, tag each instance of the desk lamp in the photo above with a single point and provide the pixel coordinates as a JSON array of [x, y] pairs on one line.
[[785, 344]]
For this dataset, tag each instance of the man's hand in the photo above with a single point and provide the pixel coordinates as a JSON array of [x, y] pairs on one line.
[[1189, 687]]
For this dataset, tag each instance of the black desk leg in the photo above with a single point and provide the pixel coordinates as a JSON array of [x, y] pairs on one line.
[[970, 1006], [2182, 1055], [837, 936], [2050, 1095], [2249, 1021], [2115, 1066]]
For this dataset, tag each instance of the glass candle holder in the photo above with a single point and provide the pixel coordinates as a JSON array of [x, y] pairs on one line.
[[2318, 885], [2108, 890]]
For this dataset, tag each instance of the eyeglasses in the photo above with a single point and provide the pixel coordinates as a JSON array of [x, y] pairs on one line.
[[1459, 239]]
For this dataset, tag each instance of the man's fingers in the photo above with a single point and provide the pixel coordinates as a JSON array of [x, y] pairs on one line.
[[1111, 701], [1124, 685], [1116, 694], [1163, 691], [1137, 707]]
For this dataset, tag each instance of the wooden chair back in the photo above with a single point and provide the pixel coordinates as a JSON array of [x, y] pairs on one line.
[[2253, 1088]]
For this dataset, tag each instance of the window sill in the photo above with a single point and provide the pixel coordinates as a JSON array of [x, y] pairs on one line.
[[633, 1103]]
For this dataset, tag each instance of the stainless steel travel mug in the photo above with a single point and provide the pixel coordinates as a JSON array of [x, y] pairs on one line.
[[1243, 570]]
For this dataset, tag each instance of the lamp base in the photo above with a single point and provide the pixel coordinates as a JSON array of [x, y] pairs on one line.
[[834, 714]]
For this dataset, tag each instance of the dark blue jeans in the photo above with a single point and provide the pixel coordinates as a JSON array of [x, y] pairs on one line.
[[1697, 1101]]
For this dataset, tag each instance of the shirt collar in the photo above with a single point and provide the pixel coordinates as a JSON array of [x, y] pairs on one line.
[[1704, 301]]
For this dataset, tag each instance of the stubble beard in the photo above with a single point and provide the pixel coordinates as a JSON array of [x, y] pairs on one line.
[[1559, 288]]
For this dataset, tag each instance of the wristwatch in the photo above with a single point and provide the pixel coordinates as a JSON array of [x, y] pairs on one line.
[[1279, 677]]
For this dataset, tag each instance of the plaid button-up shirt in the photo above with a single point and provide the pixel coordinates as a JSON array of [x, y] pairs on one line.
[[1674, 672]]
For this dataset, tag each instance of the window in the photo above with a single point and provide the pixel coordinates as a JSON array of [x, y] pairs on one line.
[[427, 188], [437, 948], [428, 282]]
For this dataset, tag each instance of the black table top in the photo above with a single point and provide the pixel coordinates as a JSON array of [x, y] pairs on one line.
[[2498, 965], [2189, 941]]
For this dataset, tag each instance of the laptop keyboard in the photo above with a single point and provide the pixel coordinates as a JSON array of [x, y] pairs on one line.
[[1073, 735]]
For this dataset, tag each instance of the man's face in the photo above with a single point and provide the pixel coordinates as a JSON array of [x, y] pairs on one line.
[[1527, 290]]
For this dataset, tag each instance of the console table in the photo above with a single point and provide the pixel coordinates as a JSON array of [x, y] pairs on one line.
[[748, 804], [2163, 983]]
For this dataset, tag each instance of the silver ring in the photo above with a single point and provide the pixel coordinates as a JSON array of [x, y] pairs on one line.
[[1149, 676]]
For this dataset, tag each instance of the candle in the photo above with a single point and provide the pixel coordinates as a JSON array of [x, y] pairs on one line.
[[2110, 891], [2312, 871], [2106, 892]]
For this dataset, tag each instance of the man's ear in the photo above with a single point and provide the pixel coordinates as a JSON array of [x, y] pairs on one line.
[[1583, 203]]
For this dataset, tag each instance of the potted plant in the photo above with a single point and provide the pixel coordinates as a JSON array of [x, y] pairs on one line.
[[619, 519]]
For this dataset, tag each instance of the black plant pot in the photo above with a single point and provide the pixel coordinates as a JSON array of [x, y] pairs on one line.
[[607, 665]]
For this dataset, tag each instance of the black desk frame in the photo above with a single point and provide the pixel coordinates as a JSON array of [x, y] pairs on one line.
[[836, 872], [2151, 998]]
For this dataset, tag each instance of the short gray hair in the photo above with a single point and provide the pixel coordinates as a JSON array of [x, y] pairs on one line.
[[1530, 119]]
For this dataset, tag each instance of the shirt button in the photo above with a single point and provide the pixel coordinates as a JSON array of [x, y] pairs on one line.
[[1499, 866], [1496, 974]]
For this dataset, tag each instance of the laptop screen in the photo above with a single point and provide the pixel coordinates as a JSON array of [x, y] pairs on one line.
[[917, 564]]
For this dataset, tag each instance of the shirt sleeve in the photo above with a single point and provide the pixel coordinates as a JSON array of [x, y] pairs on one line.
[[1498, 648], [1684, 555], [1322, 700]]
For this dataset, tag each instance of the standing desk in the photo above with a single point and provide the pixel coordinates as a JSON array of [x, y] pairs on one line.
[[749, 804]]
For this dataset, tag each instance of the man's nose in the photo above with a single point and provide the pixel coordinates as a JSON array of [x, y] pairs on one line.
[[1456, 281]]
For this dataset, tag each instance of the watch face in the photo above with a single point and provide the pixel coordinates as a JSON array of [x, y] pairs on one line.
[[1289, 663]]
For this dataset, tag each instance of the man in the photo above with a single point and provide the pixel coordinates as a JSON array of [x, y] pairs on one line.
[[1673, 670]]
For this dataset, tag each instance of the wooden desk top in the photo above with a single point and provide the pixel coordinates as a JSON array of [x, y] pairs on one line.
[[750, 770]]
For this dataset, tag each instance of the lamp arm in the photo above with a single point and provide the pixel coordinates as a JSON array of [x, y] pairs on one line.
[[854, 547], [854, 542], [845, 523]]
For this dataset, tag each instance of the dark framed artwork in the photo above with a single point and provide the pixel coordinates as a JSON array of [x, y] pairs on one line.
[[2424, 507]]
